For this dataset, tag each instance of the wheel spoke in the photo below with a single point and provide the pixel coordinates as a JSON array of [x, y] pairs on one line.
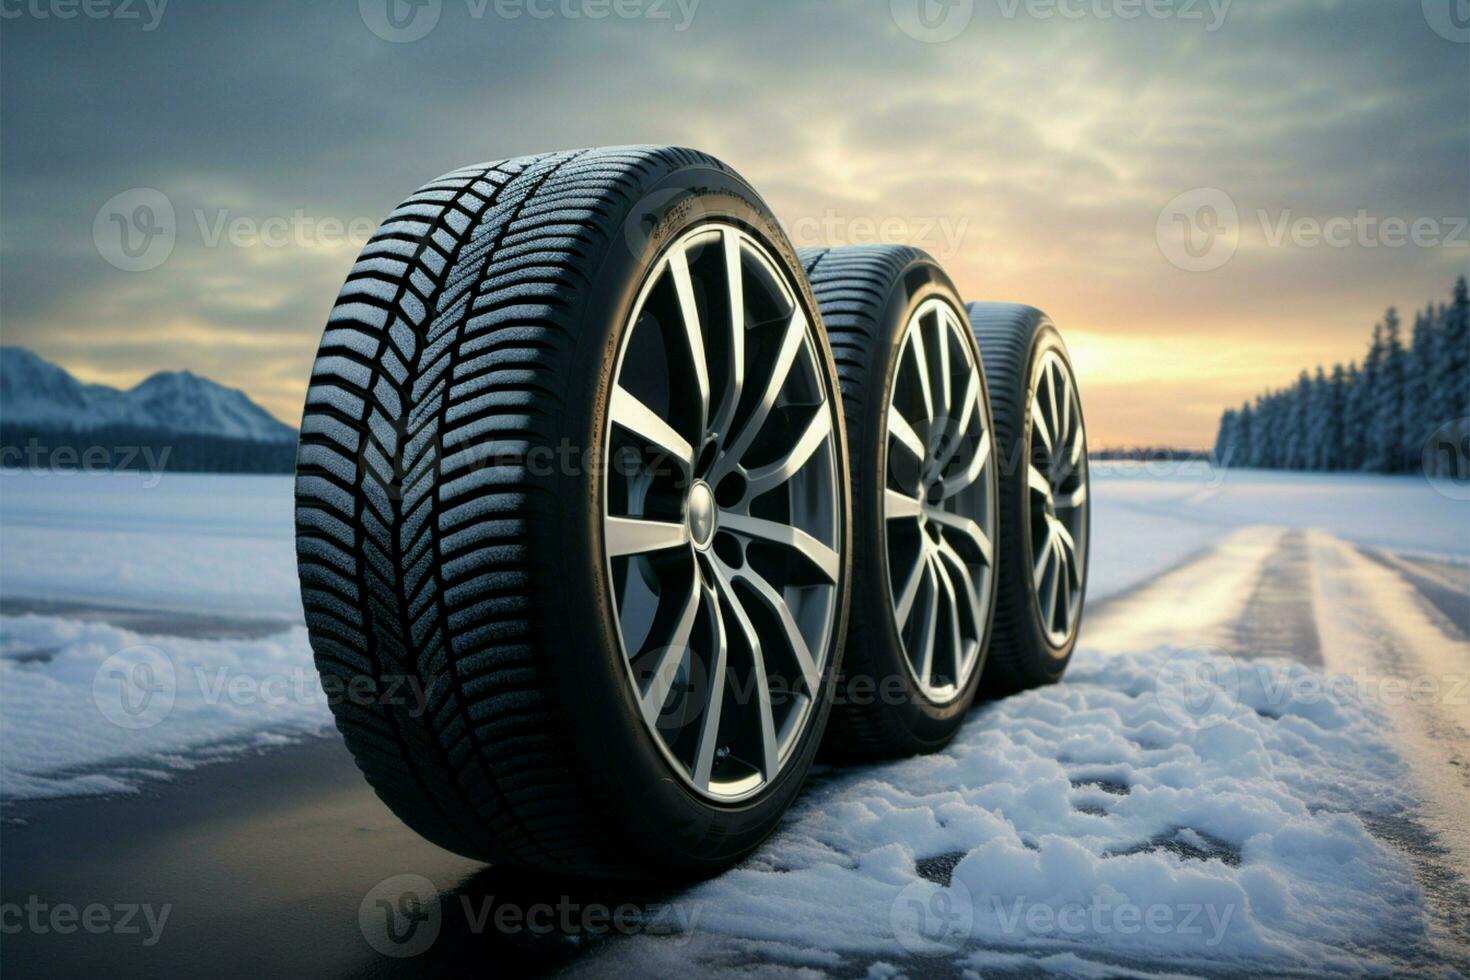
[[735, 374], [964, 525], [905, 605], [1060, 584], [709, 726], [1037, 482], [636, 536], [1039, 424], [693, 332], [631, 414], [763, 479], [1054, 419], [968, 401], [1064, 537], [672, 656], [1076, 498], [898, 506], [952, 621], [931, 624], [921, 363], [949, 556], [1076, 454], [1052, 583], [899, 428], [765, 715], [969, 474], [777, 606], [1044, 556], [823, 558], [791, 340], [1065, 425]]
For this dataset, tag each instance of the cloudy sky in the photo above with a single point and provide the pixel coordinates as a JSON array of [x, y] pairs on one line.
[[1054, 152]]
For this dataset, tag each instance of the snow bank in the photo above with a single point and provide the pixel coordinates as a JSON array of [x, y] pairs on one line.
[[75, 696], [1159, 806]]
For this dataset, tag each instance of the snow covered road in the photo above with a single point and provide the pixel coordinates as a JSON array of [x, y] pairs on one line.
[[1259, 760]]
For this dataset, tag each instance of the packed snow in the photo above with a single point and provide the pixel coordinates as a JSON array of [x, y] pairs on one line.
[[1178, 804]]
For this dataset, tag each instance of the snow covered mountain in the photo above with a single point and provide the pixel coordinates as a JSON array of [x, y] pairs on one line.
[[35, 392]]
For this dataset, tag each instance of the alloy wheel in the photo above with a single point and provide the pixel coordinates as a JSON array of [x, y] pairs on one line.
[[940, 502], [721, 509], [1056, 482]]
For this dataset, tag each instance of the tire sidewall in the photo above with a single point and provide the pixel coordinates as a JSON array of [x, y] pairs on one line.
[[672, 826]]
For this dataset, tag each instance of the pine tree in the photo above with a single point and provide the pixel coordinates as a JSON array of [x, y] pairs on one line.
[[1367, 415], [1260, 434], [1452, 380], [1388, 400], [1317, 414], [1294, 436], [1417, 423], [1336, 411], [1243, 424], [1354, 418], [1225, 438]]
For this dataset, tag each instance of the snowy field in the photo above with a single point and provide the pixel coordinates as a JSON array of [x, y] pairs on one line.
[[1260, 759]]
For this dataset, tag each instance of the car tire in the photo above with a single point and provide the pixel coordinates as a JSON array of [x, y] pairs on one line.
[[497, 506], [924, 498], [1044, 497]]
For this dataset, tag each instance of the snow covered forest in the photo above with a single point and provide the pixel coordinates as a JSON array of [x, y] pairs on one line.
[[1377, 416]]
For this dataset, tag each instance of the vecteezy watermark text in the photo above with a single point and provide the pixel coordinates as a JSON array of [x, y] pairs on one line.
[[42, 918], [403, 21], [1201, 229], [402, 916], [137, 229], [149, 12]]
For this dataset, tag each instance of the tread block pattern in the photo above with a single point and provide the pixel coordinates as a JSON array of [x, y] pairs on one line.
[[443, 364], [852, 286], [1006, 332]]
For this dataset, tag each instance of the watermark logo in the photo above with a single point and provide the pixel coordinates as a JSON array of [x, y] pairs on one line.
[[1446, 459], [400, 21], [1199, 230], [932, 21], [136, 229], [401, 916], [929, 919], [1198, 688], [135, 688], [1450, 19]]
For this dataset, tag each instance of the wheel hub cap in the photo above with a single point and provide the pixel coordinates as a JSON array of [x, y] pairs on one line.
[[702, 515]]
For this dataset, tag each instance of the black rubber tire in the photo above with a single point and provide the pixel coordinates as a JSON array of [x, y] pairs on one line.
[[868, 294], [477, 333], [1013, 338]]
